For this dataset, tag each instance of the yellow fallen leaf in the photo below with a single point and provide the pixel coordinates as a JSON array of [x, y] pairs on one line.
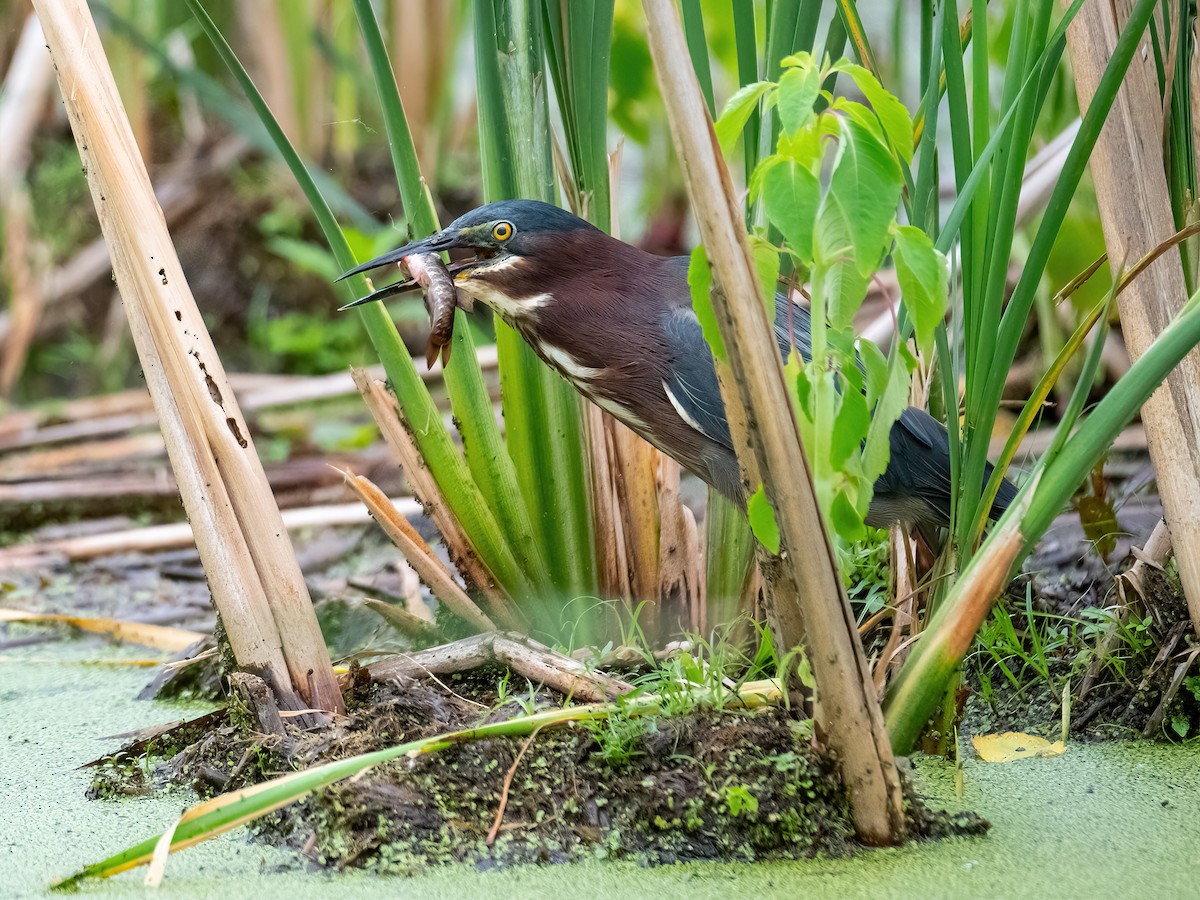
[[1014, 745]]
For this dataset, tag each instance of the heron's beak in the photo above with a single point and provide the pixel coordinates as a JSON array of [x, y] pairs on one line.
[[443, 240]]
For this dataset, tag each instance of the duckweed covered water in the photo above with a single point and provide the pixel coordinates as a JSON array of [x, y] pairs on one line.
[[1105, 820]]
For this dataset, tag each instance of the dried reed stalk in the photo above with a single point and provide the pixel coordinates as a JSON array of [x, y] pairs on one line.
[[159, 538], [418, 554], [388, 416], [23, 99], [1135, 212], [255, 580], [806, 594], [612, 564]]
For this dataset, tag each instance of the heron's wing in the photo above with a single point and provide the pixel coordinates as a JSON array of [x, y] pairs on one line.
[[691, 383], [920, 466], [793, 327]]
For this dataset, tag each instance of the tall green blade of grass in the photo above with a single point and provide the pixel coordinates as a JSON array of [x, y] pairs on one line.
[[541, 412], [483, 445], [857, 32], [443, 459], [578, 43], [1002, 325], [1180, 139], [791, 26], [919, 688], [746, 40], [697, 44]]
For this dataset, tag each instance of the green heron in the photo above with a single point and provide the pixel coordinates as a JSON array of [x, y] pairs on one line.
[[618, 324]]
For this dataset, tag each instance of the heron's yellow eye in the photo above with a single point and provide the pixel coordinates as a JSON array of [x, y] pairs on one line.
[[502, 231]]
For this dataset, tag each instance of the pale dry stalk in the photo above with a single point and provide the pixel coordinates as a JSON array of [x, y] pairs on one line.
[[1135, 212], [252, 571], [418, 553], [388, 416]]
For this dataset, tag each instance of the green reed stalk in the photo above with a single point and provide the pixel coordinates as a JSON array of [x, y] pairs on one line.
[[447, 465], [541, 412]]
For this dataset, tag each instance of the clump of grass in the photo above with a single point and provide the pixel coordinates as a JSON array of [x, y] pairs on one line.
[[866, 571]]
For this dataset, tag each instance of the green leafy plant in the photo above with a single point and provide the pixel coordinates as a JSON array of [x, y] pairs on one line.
[[738, 800], [1024, 657], [835, 236]]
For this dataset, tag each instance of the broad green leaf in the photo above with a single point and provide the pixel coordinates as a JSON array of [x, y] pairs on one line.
[[877, 368], [864, 191], [833, 261], [700, 282], [762, 520], [841, 342], [766, 267], [791, 197], [800, 58], [897, 124], [803, 670], [924, 276], [892, 401], [845, 518], [849, 427], [798, 91], [806, 145], [737, 113], [857, 112]]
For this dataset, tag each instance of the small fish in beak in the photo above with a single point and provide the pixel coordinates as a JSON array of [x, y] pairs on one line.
[[441, 296], [426, 272]]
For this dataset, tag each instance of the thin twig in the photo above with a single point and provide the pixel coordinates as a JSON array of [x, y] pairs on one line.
[[491, 835]]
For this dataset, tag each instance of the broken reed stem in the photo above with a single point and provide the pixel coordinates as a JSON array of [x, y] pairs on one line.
[[525, 656], [255, 580], [398, 617], [418, 553], [389, 417]]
